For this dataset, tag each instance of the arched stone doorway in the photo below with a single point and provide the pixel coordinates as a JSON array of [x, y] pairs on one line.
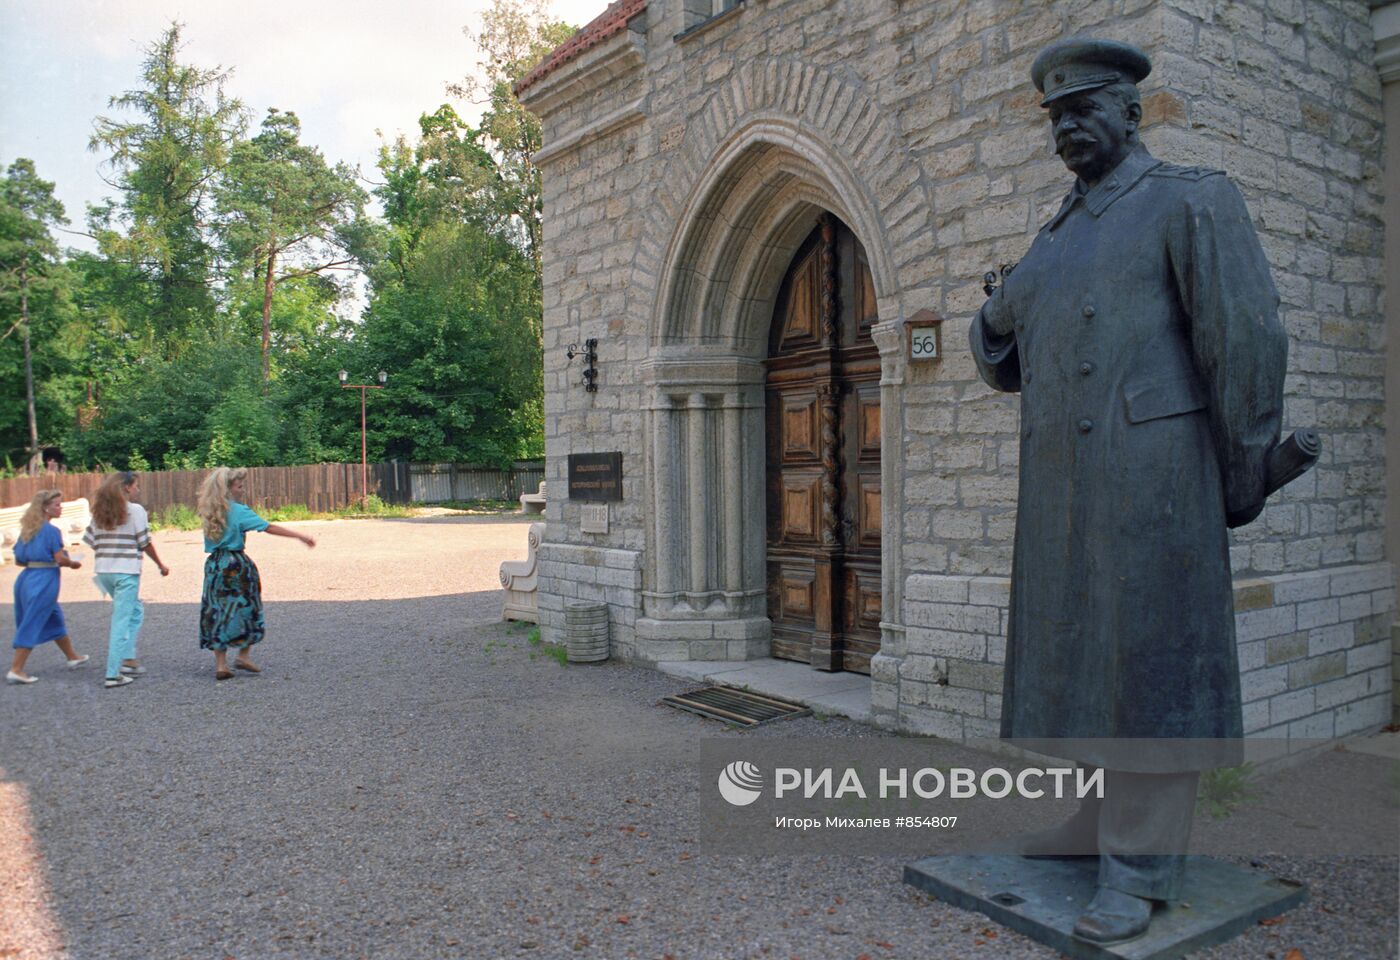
[[822, 439], [705, 574]]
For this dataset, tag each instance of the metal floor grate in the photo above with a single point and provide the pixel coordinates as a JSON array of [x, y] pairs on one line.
[[738, 707]]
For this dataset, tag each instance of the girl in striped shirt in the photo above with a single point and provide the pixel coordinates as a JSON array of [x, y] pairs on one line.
[[118, 535]]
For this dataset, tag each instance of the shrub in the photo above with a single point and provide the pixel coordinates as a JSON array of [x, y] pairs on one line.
[[179, 516], [373, 507]]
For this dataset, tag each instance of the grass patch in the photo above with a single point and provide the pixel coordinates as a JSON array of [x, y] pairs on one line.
[[182, 517], [374, 507], [293, 511], [479, 507], [1221, 791], [178, 516], [555, 651]]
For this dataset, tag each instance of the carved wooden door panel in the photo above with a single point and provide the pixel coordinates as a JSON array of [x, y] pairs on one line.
[[823, 442]]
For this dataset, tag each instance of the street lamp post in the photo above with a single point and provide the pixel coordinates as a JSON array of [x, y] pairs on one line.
[[364, 460]]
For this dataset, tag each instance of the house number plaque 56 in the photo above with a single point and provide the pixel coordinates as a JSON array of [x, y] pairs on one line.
[[923, 330]]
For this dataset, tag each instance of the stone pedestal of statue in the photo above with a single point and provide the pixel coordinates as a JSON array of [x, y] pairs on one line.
[[1042, 899]]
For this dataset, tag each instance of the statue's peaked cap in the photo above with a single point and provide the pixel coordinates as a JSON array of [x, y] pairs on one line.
[[1086, 63]]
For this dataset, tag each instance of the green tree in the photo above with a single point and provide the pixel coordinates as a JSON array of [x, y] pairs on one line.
[[243, 429], [514, 36], [166, 409], [32, 281], [465, 374], [287, 214], [165, 162], [445, 176]]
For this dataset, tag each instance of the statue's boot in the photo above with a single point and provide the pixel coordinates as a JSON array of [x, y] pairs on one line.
[[1114, 917]]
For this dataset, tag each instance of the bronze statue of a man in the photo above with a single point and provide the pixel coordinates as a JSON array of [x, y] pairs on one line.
[[1141, 330]]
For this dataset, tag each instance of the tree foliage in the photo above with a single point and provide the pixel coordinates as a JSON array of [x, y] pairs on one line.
[[514, 36], [165, 162], [35, 314], [209, 325], [466, 368], [286, 214]]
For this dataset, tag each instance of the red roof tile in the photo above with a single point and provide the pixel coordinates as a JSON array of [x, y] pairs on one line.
[[609, 23]]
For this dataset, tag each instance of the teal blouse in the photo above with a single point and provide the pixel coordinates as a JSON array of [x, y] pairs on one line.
[[241, 520]]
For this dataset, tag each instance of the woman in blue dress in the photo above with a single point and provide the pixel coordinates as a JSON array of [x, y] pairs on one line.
[[38, 618], [230, 611]]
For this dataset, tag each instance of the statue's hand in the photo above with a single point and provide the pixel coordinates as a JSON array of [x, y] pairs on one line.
[[996, 317]]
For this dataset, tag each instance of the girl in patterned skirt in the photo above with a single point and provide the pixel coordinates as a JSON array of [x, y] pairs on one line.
[[231, 613]]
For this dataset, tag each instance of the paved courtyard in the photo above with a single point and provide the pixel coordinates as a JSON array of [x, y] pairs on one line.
[[410, 778]]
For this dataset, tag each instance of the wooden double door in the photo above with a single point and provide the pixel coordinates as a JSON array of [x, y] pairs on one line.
[[823, 457]]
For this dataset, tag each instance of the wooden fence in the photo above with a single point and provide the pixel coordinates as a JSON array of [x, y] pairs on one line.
[[319, 486], [438, 482]]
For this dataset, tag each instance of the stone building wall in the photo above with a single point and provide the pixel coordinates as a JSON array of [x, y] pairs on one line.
[[681, 158], [1385, 24]]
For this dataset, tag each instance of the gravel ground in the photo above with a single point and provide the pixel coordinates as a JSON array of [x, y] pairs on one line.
[[411, 778]]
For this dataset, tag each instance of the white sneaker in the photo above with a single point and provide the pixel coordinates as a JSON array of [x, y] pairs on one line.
[[78, 661], [12, 677], [133, 671], [118, 681]]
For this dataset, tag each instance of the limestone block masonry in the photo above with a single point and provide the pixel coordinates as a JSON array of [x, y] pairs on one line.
[[684, 161], [1314, 651], [607, 576]]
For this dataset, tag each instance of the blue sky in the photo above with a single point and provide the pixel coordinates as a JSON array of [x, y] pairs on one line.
[[346, 69]]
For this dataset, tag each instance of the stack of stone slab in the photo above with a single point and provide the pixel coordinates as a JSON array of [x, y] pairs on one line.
[[586, 631]]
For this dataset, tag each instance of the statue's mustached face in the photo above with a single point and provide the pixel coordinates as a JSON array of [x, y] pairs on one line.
[[1092, 132]]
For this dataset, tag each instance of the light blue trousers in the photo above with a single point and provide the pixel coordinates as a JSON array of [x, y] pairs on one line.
[[127, 614]]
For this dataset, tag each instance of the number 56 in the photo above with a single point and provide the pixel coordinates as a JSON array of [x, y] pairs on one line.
[[923, 345]]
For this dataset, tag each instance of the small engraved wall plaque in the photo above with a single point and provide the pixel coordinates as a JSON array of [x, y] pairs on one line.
[[595, 476], [594, 518]]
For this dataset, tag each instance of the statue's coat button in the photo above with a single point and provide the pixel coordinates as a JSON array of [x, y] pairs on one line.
[[1086, 425], [1086, 368], [1089, 310], [1026, 377]]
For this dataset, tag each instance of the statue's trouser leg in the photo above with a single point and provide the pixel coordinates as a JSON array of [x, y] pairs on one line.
[[1142, 819]]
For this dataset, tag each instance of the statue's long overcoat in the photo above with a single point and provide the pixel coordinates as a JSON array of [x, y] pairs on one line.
[[1146, 346]]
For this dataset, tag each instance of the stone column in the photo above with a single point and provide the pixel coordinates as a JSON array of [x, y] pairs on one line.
[[666, 482], [732, 457], [889, 337], [697, 493], [885, 665], [706, 472], [756, 482]]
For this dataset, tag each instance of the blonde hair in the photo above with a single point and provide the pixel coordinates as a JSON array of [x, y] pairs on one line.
[[213, 500], [109, 503], [33, 520]]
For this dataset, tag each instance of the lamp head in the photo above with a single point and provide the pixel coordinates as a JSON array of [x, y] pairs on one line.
[[344, 376], [383, 377]]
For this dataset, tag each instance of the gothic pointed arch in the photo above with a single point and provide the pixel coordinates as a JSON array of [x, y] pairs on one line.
[[763, 159]]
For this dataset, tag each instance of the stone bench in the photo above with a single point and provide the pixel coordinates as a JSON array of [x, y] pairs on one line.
[[74, 520], [9, 531], [533, 502], [521, 580], [72, 523]]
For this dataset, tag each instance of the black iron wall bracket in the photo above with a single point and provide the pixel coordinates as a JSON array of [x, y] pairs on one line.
[[589, 352]]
